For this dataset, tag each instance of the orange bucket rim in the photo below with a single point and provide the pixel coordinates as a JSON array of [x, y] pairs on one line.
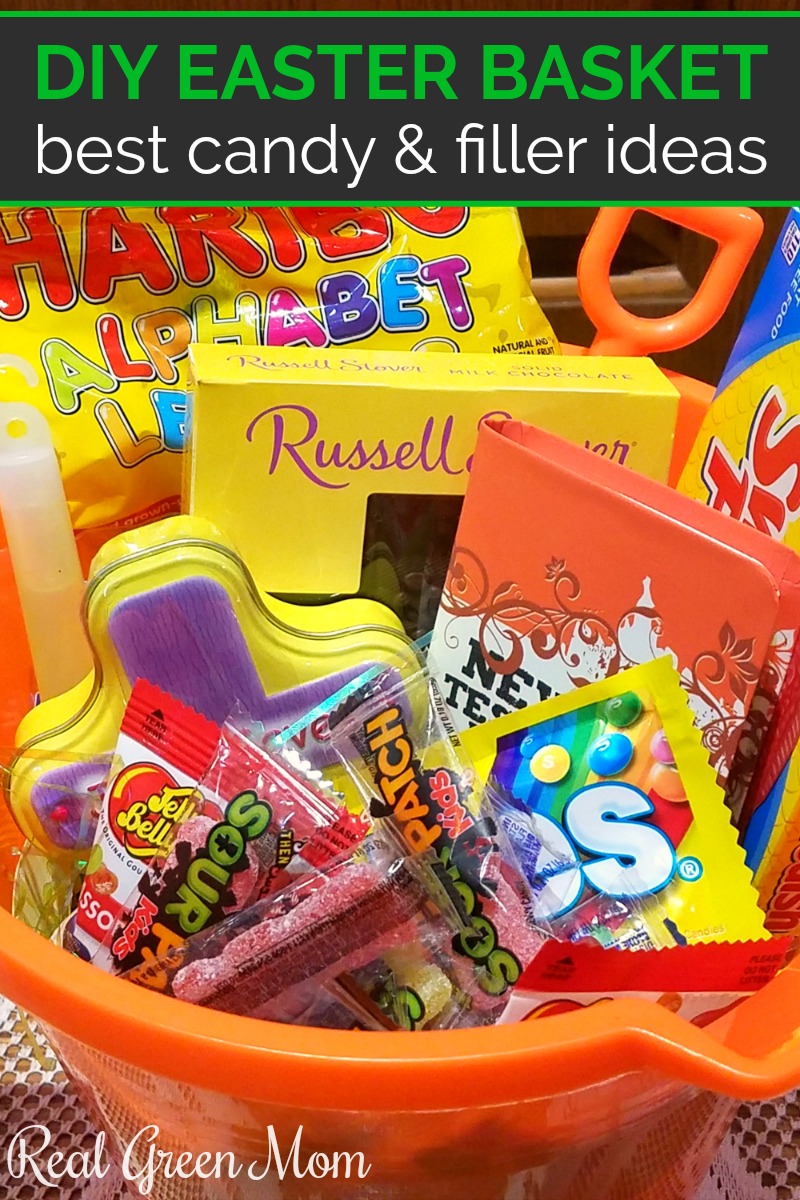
[[355, 1071]]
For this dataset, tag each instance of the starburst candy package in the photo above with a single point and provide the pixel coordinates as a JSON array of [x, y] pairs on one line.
[[614, 782]]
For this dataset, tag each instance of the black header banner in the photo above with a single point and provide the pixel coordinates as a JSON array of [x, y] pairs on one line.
[[361, 108]]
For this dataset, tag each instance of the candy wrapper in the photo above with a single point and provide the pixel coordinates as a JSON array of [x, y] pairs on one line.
[[67, 800], [625, 923], [270, 823], [407, 988], [164, 748], [614, 783], [327, 944], [396, 744], [610, 920], [701, 983]]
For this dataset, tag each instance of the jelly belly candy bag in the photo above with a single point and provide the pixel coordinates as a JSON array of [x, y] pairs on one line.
[[700, 983], [272, 823], [616, 784], [112, 299], [396, 742], [164, 748]]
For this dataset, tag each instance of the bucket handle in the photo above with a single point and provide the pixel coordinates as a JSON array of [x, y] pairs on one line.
[[736, 232], [759, 1057]]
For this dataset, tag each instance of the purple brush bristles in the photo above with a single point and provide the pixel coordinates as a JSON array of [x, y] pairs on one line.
[[185, 638]]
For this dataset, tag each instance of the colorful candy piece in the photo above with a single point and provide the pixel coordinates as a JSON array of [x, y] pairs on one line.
[[666, 782], [660, 748], [426, 980], [622, 711], [66, 801], [610, 754], [550, 764]]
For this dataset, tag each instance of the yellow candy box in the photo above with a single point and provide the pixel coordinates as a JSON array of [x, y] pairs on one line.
[[276, 434]]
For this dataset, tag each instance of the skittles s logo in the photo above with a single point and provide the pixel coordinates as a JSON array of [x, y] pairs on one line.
[[604, 841], [145, 806]]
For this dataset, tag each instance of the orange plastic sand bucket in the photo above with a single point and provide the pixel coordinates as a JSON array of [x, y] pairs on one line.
[[622, 1101]]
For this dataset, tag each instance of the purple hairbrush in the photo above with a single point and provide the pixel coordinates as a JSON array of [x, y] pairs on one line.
[[171, 603]]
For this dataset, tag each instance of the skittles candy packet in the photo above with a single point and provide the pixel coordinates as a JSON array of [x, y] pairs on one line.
[[615, 784], [104, 303]]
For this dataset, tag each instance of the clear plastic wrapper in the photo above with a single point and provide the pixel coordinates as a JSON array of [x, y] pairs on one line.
[[405, 988], [396, 745], [619, 922], [271, 821], [635, 921], [352, 938], [47, 887], [67, 800]]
